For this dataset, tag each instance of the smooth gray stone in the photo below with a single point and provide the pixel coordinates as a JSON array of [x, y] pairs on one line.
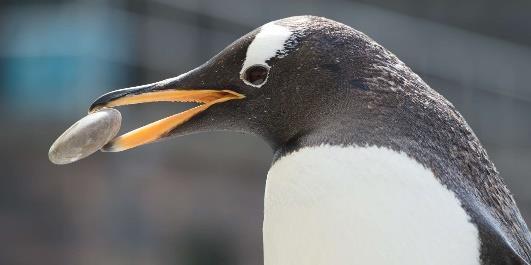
[[86, 136]]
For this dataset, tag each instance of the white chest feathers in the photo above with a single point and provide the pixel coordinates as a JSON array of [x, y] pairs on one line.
[[333, 205]]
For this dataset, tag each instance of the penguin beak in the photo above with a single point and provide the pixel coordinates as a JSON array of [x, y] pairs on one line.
[[169, 90]]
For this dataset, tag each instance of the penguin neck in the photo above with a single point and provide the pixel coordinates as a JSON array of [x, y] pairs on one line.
[[425, 127]]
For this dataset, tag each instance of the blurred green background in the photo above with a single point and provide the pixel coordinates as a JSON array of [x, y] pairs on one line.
[[199, 199]]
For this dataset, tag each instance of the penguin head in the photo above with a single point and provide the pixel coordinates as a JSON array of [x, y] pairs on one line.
[[281, 81]]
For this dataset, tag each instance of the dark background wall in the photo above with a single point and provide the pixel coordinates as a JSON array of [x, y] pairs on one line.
[[198, 199]]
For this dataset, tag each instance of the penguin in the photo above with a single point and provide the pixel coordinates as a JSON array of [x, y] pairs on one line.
[[370, 166]]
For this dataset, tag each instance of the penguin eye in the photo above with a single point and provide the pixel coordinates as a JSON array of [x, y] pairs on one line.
[[256, 74]]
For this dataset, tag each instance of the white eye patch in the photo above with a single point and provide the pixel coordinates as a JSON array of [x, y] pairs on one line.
[[266, 44]]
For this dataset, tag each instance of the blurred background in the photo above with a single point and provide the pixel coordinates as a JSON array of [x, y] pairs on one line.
[[199, 199]]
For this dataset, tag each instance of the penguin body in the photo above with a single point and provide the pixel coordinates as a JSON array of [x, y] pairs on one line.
[[362, 205], [371, 165]]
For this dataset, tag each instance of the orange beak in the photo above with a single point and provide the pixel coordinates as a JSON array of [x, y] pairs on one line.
[[159, 129]]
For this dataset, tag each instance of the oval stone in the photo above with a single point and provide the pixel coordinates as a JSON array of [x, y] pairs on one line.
[[86, 136]]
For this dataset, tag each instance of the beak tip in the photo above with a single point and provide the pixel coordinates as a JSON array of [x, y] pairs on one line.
[[104, 100], [93, 109], [98, 104]]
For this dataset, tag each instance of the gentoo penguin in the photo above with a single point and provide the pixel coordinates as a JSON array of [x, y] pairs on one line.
[[371, 165]]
